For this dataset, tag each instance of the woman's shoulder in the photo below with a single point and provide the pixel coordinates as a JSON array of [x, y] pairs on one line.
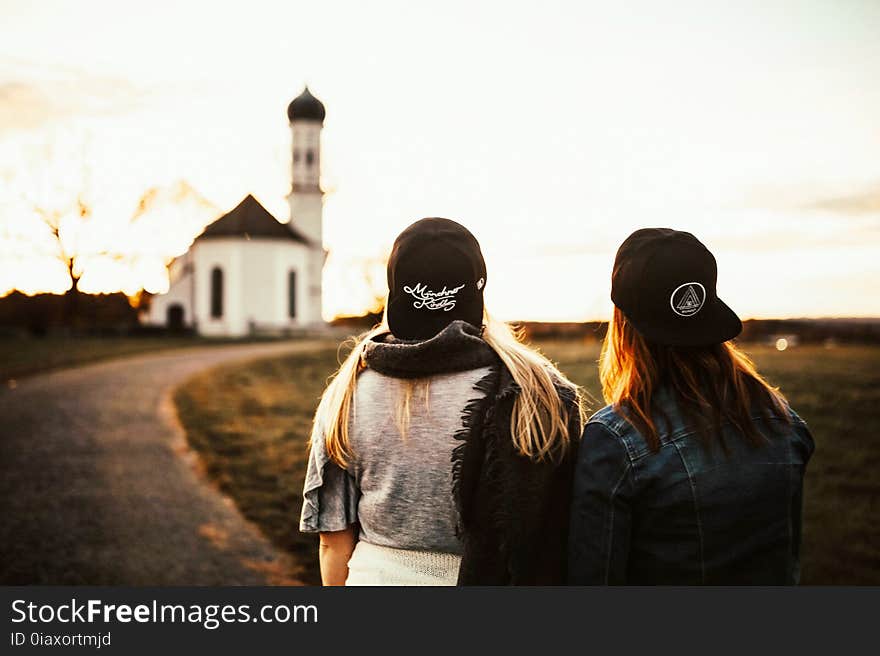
[[800, 430], [671, 425], [611, 420], [607, 435]]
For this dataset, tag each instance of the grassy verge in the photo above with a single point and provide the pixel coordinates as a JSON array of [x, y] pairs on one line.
[[251, 422]]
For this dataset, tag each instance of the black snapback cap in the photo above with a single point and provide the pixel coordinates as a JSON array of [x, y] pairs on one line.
[[664, 282], [436, 275]]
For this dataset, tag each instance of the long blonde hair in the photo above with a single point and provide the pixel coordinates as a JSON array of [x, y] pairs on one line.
[[713, 384], [539, 423]]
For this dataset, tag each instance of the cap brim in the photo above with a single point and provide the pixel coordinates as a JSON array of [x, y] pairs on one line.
[[713, 324]]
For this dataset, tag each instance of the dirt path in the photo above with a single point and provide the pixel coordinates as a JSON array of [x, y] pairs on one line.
[[97, 486]]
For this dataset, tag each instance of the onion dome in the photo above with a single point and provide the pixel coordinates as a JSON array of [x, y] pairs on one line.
[[305, 107]]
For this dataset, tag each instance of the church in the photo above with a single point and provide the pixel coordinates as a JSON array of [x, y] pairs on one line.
[[247, 273]]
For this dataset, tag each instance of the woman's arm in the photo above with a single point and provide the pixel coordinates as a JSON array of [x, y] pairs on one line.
[[335, 551], [601, 514]]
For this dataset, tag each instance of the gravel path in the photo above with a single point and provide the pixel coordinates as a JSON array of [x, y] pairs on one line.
[[98, 487]]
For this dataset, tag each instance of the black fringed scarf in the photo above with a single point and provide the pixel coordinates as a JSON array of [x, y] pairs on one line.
[[458, 347], [513, 512]]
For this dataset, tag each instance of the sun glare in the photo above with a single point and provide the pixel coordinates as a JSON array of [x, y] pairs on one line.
[[591, 132]]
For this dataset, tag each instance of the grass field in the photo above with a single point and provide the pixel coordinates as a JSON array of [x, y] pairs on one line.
[[250, 423]]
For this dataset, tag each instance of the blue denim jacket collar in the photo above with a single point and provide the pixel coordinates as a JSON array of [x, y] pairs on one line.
[[614, 419]]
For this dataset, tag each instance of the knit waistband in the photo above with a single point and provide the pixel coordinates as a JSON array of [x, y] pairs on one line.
[[372, 564]]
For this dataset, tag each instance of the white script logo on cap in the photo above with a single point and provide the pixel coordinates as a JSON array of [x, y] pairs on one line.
[[431, 300]]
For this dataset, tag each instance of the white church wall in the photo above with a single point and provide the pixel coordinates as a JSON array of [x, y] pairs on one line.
[[159, 306], [306, 160], [180, 292], [267, 265], [225, 254], [259, 304], [314, 292], [306, 212], [179, 268], [255, 287], [292, 259]]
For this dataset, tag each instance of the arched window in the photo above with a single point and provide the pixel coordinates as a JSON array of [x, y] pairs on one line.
[[295, 156], [216, 293], [291, 294], [310, 157]]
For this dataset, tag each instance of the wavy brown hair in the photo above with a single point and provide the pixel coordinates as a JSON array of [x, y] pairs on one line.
[[712, 384]]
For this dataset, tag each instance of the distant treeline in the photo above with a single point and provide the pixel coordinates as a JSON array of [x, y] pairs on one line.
[[87, 314], [754, 330], [117, 314], [812, 331]]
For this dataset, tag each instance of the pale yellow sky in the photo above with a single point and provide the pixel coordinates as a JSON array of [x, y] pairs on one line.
[[550, 129]]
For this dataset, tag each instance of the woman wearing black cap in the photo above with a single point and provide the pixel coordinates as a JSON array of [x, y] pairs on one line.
[[441, 451], [693, 474]]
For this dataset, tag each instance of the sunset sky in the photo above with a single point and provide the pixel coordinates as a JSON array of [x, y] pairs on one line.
[[550, 129]]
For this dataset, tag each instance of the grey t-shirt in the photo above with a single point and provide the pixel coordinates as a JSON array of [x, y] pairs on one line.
[[397, 488]]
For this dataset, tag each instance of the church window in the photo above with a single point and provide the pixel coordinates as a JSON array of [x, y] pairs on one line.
[[216, 293], [295, 156], [291, 294], [310, 157]]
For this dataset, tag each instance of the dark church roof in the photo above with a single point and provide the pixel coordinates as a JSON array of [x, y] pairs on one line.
[[250, 219], [306, 107]]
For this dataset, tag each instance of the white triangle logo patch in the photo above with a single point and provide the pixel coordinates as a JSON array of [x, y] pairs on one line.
[[688, 299]]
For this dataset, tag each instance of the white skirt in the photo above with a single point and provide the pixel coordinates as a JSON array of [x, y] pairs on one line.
[[371, 564]]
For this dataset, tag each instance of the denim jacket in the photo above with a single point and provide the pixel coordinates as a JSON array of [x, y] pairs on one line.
[[687, 514]]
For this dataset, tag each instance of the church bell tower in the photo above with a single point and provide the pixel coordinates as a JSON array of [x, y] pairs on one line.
[[306, 116]]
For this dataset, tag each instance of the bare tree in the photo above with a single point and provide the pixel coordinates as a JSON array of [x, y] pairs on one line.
[[52, 218], [65, 201]]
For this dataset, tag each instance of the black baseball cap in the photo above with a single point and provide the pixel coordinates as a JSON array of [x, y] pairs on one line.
[[664, 282], [436, 275]]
